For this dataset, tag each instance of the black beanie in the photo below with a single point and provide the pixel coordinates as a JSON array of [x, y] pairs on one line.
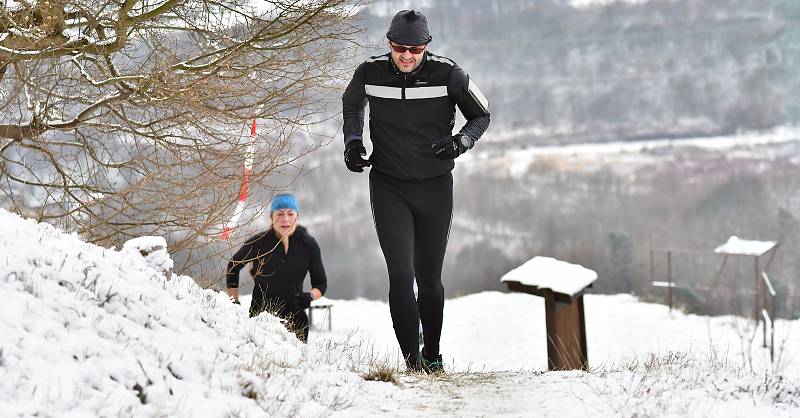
[[409, 28]]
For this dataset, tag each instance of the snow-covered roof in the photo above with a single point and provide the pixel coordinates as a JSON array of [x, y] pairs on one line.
[[738, 246], [550, 273]]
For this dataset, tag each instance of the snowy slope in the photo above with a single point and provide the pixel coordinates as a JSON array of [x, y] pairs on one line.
[[91, 332], [645, 361], [86, 331], [494, 331]]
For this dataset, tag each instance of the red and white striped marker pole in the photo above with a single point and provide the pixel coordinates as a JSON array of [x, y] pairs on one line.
[[244, 190]]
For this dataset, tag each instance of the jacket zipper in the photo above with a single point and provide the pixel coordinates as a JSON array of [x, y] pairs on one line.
[[403, 113]]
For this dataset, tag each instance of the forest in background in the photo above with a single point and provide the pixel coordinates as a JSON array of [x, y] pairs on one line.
[[555, 75], [558, 75], [604, 212], [621, 71]]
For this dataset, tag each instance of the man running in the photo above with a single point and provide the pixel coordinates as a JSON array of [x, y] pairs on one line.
[[412, 95]]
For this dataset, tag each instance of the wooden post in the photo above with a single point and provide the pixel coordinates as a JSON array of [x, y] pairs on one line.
[[565, 321], [669, 279], [652, 267], [764, 329], [772, 329], [566, 333], [757, 313]]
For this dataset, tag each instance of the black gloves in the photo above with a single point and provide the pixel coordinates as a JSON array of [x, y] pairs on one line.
[[354, 157], [446, 149], [452, 147], [303, 300]]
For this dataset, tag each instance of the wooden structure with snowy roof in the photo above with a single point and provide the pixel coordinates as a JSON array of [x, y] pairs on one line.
[[322, 303], [762, 286], [561, 284], [736, 246]]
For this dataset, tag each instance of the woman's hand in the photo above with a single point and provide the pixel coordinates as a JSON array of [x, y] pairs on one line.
[[315, 293], [233, 292]]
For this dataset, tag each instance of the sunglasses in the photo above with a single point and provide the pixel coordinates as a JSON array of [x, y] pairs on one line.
[[412, 49]]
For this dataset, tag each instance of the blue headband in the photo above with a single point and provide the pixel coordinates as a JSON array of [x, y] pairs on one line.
[[284, 201]]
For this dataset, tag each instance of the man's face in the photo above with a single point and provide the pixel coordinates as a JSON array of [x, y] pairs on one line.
[[405, 57]]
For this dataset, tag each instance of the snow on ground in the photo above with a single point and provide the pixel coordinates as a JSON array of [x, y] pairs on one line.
[[86, 331], [645, 360], [516, 162], [495, 331]]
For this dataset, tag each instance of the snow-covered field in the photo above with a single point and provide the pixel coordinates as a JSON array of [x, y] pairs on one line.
[[645, 361], [87, 331], [515, 162]]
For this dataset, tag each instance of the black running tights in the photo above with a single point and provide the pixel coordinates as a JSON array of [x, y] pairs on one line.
[[412, 219]]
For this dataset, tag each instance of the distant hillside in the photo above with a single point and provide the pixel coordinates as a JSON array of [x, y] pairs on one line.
[[618, 71]]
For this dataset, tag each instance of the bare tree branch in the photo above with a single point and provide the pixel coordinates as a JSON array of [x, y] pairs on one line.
[[125, 117]]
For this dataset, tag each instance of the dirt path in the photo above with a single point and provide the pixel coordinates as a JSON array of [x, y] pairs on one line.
[[508, 394]]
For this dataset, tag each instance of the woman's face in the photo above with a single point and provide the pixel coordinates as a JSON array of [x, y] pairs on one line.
[[284, 221]]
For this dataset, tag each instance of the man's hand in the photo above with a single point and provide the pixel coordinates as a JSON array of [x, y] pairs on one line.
[[316, 293], [233, 292], [452, 147], [354, 157]]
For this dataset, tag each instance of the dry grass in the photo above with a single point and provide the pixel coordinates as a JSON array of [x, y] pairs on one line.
[[381, 373], [668, 383]]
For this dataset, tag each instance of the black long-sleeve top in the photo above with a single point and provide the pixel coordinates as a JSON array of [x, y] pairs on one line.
[[284, 272]]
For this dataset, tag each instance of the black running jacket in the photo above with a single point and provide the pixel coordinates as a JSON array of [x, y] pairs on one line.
[[284, 272], [408, 112]]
